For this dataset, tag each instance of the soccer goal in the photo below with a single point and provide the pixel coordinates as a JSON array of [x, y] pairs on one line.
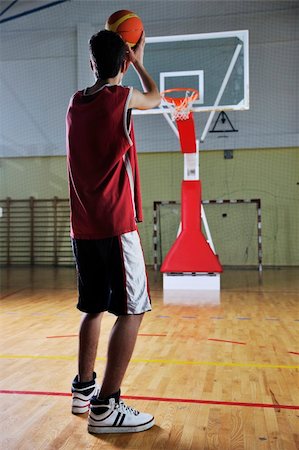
[[236, 227]]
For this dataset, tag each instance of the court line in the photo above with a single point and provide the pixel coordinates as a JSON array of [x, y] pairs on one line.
[[162, 399], [65, 336], [223, 340], [162, 335], [162, 361]]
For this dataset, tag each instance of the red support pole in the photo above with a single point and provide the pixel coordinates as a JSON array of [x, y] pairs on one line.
[[191, 252], [186, 130]]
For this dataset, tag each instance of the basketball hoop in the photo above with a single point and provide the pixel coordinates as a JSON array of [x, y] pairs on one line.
[[180, 106]]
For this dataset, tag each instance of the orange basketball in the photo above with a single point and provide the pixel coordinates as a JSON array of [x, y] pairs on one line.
[[127, 24]]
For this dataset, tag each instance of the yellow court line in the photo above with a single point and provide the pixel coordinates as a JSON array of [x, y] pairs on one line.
[[214, 363], [162, 361]]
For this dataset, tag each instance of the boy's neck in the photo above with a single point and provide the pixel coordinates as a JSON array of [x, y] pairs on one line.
[[100, 83]]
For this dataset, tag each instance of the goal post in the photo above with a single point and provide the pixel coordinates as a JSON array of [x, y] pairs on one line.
[[236, 227]]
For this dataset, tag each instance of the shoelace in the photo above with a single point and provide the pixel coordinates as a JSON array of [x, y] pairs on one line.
[[126, 409]]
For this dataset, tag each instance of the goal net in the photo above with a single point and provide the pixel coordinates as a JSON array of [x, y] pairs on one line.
[[235, 227]]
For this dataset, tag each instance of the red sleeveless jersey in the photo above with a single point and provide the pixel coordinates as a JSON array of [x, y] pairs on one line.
[[104, 185]]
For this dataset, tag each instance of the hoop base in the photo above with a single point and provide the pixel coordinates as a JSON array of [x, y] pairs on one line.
[[196, 282]]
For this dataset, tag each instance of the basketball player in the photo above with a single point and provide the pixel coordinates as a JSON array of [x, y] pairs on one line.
[[105, 202]]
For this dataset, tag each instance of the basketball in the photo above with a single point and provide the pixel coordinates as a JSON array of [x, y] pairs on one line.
[[127, 24]]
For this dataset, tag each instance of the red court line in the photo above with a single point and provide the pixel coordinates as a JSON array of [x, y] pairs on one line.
[[241, 343], [163, 399], [161, 335], [65, 336], [231, 342]]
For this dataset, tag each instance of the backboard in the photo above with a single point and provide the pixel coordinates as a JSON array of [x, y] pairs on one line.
[[216, 64]]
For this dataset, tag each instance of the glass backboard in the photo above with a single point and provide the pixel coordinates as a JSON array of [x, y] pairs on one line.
[[216, 64]]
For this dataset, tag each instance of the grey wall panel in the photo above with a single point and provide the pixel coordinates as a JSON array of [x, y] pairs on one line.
[[43, 61]]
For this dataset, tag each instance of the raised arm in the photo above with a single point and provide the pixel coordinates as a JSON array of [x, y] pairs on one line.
[[151, 96]]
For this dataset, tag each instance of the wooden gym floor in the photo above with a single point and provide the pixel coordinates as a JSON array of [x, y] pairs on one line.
[[216, 376]]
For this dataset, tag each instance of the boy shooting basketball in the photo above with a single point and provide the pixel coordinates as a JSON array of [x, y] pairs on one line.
[[105, 204]]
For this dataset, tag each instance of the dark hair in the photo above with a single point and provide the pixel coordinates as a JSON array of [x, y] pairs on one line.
[[108, 51]]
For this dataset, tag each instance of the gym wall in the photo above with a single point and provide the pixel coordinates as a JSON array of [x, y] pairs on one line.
[[44, 59]]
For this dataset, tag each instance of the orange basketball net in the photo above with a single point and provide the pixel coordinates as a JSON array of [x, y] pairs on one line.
[[180, 106]]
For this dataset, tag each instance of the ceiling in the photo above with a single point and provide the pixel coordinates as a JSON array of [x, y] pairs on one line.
[[26, 14]]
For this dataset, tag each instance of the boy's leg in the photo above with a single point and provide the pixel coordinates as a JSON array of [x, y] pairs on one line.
[[120, 348], [88, 343], [108, 413], [84, 385], [129, 300]]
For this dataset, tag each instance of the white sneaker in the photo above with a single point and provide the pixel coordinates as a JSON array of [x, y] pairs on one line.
[[112, 416], [82, 394]]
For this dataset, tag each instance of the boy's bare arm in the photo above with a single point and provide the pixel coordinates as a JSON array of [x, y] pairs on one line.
[[151, 95]]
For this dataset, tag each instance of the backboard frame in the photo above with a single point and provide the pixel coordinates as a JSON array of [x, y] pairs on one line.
[[243, 36]]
